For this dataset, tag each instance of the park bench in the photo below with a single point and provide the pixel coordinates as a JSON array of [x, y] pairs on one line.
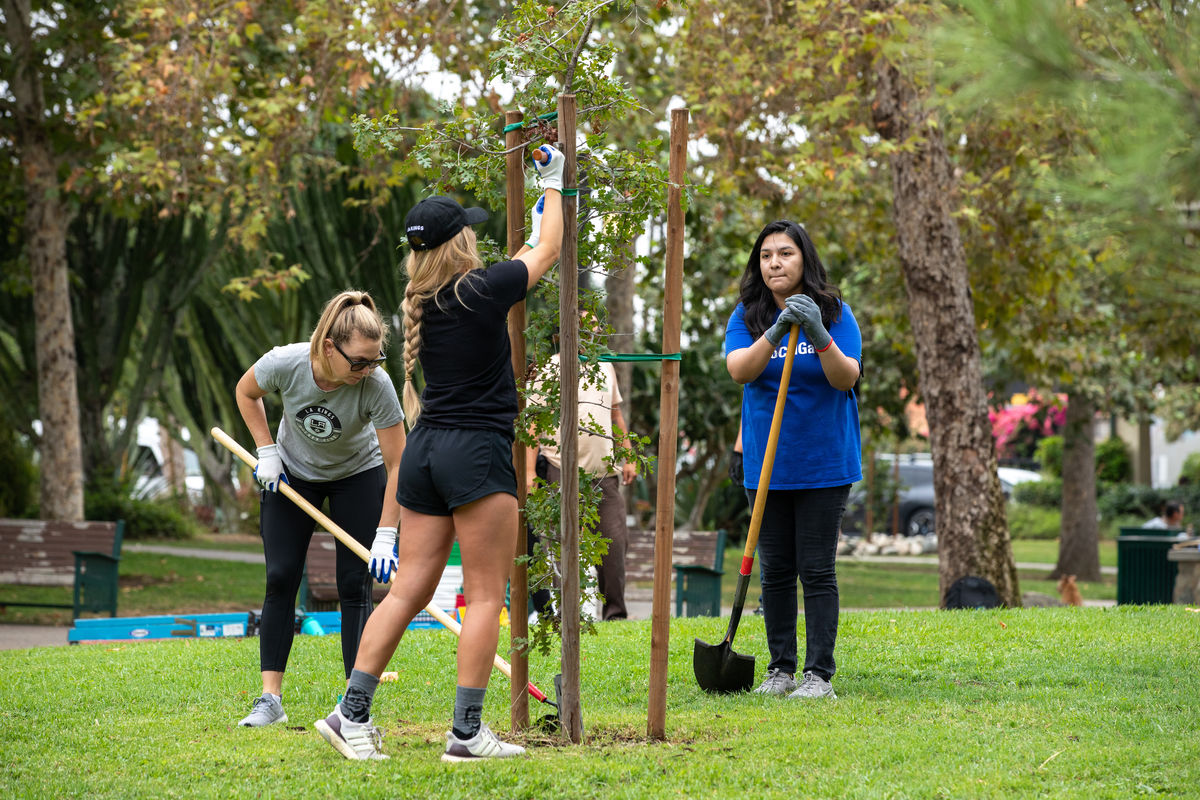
[[698, 558], [47, 553], [318, 589]]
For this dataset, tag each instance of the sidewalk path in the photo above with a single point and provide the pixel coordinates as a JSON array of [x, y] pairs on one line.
[[197, 552], [932, 560]]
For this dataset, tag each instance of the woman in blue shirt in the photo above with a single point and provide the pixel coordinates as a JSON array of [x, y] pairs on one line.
[[819, 453]]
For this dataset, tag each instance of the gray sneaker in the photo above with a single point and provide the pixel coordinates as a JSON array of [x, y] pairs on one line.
[[358, 741], [777, 682], [265, 711], [483, 744], [814, 686]]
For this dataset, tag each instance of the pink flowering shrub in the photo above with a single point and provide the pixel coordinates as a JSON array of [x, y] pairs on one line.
[[1019, 427]]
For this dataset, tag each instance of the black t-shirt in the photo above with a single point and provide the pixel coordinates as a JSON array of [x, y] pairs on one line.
[[465, 352]]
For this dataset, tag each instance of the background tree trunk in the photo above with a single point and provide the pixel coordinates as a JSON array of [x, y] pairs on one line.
[[46, 222], [618, 302], [971, 525], [1079, 543]]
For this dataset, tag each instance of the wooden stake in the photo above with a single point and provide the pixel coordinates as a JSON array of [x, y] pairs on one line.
[[514, 176], [660, 626], [570, 708]]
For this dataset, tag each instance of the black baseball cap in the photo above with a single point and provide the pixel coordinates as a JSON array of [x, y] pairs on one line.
[[436, 220]]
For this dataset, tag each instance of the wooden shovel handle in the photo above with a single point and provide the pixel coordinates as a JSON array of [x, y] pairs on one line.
[[348, 540], [768, 463]]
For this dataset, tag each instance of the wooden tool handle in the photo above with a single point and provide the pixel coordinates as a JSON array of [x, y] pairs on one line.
[[764, 476], [325, 522]]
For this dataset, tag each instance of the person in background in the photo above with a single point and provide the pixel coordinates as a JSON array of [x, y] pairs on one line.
[[1171, 517], [457, 480], [819, 451], [599, 408], [339, 439]]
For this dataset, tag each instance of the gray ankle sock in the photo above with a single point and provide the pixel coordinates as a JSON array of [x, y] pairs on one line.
[[468, 711], [356, 705]]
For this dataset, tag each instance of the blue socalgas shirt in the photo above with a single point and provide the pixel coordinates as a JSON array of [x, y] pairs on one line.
[[819, 443]]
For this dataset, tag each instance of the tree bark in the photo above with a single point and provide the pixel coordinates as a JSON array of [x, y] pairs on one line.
[[1079, 542], [46, 221], [618, 302], [971, 525]]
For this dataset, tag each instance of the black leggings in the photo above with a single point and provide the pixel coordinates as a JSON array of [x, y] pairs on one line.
[[355, 504]]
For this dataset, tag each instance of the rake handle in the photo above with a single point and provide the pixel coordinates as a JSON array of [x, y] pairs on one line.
[[325, 522]]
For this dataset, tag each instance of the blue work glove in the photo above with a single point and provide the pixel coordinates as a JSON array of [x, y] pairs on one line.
[[550, 171], [806, 308], [384, 556], [535, 223], [787, 318], [269, 471]]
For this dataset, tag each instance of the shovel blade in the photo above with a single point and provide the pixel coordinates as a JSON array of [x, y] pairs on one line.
[[721, 670]]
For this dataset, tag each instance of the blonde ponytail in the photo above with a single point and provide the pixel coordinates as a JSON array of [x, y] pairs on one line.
[[346, 314], [429, 271]]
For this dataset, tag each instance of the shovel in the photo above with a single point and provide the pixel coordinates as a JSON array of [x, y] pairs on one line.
[[362, 552], [718, 668]]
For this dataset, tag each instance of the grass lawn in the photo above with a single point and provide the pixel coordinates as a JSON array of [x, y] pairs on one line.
[[154, 584], [1071, 703]]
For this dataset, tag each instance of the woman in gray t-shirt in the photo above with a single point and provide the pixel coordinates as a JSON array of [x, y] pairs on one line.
[[340, 438]]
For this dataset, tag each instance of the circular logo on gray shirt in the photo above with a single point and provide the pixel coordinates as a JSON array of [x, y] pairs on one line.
[[319, 424]]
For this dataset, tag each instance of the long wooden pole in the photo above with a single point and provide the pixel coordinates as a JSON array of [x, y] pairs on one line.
[[660, 626], [570, 707], [514, 176]]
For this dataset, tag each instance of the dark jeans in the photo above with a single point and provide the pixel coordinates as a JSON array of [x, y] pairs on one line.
[[798, 539], [611, 573], [355, 504]]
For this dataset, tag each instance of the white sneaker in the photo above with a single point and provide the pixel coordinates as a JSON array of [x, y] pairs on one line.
[[265, 711], [483, 744], [359, 741], [777, 682], [814, 686]]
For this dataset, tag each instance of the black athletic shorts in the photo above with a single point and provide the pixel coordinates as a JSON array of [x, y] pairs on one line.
[[444, 468]]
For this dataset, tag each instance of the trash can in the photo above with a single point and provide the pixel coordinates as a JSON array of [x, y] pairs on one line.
[[1144, 575]]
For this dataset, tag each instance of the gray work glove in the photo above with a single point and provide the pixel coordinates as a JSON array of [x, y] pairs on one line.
[[809, 313], [787, 318]]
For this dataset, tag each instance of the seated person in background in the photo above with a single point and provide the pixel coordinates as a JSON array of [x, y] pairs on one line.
[[1172, 516]]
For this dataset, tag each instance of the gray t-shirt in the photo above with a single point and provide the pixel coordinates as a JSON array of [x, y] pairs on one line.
[[323, 435]]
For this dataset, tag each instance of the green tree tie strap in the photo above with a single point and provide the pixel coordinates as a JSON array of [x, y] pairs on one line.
[[516, 126], [611, 357]]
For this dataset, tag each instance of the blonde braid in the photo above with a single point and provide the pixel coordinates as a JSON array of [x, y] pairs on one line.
[[413, 310]]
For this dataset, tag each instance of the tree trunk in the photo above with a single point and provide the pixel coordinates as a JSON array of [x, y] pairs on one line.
[[46, 221], [971, 524], [1079, 545]]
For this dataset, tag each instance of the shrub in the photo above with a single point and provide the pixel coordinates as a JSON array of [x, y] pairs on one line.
[[1128, 500], [18, 487], [1190, 473], [1050, 454], [144, 519], [1041, 494], [1033, 522], [1113, 462]]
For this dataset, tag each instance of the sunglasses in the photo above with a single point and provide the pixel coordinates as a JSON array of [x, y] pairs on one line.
[[358, 366]]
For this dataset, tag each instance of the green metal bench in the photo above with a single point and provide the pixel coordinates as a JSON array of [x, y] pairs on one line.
[[698, 558], [48, 553]]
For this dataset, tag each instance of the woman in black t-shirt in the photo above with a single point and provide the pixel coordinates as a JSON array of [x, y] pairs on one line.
[[456, 475]]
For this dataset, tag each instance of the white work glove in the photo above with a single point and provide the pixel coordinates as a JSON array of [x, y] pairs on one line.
[[269, 471], [551, 170], [535, 223], [383, 555]]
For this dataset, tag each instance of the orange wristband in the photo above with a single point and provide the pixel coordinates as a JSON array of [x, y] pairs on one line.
[[826, 347]]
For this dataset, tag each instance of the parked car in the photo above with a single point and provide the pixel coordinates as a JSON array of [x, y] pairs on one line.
[[915, 494]]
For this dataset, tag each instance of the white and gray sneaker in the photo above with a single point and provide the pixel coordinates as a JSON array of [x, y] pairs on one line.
[[777, 682], [265, 711], [813, 686], [359, 741], [483, 744]]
